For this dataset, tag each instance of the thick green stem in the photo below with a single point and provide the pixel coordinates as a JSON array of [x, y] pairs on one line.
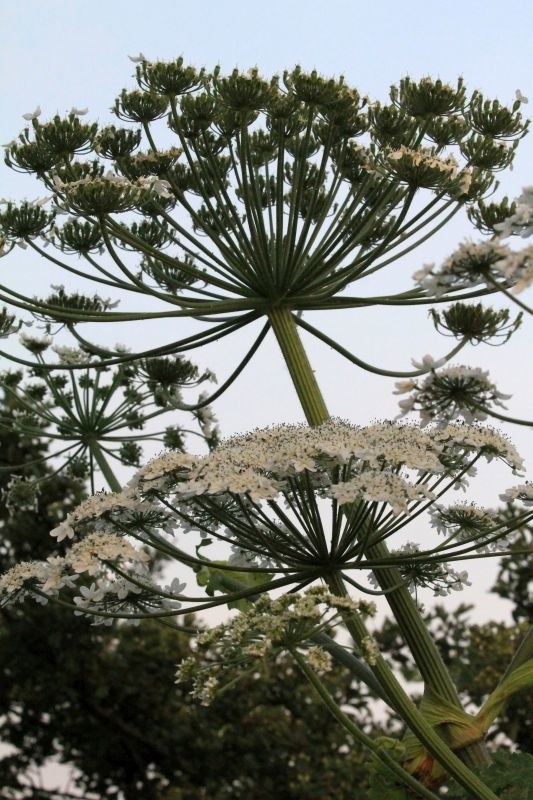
[[104, 466], [425, 733], [406, 613], [523, 653], [359, 736], [419, 641], [298, 365]]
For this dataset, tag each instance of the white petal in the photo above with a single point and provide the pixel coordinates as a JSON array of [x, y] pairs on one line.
[[32, 114], [79, 112], [138, 59]]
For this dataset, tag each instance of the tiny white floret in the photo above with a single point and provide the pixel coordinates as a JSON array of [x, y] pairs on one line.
[[32, 114]]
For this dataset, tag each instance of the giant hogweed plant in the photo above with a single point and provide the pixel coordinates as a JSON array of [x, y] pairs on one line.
[[233, 199]]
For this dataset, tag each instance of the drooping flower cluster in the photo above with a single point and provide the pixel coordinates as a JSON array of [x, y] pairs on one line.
[[263, 633], [450, 393]]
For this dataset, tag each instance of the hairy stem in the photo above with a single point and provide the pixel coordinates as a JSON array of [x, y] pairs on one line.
[[424, 732], [359, 736]]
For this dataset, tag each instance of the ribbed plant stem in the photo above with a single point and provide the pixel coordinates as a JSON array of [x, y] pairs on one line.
[[104, 467], [406, 613], [424, 732], [299, 366], [359, 735]]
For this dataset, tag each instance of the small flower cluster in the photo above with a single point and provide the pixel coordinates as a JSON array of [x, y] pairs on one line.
[[450, 393], [71, 356], [384, 487], [21, 494], [483, 440], [419, 573], [8, 323], [111, 193], [464, 268], [517, 269], [207, 420], [99, 506], [35, 344], [523, 493], [87, 556], [423, 168], [521, 222], [370, 650], [468, 523], [265, 631], [120, 596]]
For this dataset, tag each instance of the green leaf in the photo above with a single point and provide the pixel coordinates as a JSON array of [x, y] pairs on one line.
[[226, 581], [510, 776]]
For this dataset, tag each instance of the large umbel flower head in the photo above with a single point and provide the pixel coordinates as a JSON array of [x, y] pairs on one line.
[[288, 501], [279, 192]]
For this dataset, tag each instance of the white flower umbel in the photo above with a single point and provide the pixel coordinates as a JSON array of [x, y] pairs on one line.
[[464, 268], [451, 393], [264, 494]]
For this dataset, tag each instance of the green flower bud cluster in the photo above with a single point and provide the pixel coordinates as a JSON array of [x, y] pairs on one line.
[[272, 193], [476, 323], [26, 221]]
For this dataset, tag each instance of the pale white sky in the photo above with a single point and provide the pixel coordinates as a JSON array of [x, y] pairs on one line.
[[67, 52]]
